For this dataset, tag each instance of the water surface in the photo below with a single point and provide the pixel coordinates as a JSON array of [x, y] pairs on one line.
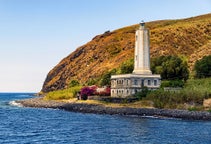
[[48, 126]]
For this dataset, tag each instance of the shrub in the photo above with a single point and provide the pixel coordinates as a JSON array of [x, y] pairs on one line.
[[106, 92], [168, 99], [172, 83], [84, 97], [194, 108], [63, 94], [88, 91], [203, 67], [143, 93]]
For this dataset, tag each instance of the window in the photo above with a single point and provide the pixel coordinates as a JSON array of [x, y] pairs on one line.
[[155, 82], [135, 82], [142, 83], [149, 82]]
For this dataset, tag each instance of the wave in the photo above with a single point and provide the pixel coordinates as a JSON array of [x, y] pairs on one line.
[[14, 103]]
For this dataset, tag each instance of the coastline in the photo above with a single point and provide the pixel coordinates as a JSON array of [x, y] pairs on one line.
[[102, 109]]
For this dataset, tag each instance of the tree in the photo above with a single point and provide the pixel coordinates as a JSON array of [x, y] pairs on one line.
[[127, 66], [203, 67], [170, 68], [106, 78]]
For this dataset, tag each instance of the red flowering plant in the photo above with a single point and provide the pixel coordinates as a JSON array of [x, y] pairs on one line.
[[94, 88], [88, 91], [105, 92]]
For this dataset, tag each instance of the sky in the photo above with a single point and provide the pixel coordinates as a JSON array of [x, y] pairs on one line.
[[35, 35]]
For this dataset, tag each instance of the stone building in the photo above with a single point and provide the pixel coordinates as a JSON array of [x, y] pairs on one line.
[[125, 85]]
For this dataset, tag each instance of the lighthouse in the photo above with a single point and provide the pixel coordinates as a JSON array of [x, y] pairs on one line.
[[125, 85], [142, 51]]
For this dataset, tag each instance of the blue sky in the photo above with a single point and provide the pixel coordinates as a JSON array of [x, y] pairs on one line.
[[36, 34]]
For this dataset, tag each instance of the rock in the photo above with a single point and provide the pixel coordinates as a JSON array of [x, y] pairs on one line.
[[101, 109], [207, 103]]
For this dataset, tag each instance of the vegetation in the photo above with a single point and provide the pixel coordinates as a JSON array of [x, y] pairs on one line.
[[127, 66], [190, 97], [106, 78], [74, 83], [142, 94], [203, 67], [63, 94], [170, 68], [193, 94], [172, 83], [113, 49], [92, 82], [87, 91]]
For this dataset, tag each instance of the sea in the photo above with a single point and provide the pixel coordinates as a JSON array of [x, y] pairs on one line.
[[22, 125]]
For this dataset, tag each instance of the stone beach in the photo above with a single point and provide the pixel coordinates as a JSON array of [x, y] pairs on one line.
[[102, 109]]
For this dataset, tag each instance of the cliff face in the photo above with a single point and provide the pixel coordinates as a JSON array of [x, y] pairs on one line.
[[190, 38]]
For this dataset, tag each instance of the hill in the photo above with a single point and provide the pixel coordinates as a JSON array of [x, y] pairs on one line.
[[190, 38]]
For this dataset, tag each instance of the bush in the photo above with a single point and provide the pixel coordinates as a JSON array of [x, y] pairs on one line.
[[168, 99], [107, 92], [143, 93], [203, 67], [194, 108], [84, 97], [87, 91], [63, 94], [173, 83]]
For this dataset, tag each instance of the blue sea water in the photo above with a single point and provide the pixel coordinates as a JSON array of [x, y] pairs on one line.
[[20, 125]]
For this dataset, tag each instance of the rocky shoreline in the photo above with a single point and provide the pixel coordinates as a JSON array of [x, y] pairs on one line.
[[101, 109]]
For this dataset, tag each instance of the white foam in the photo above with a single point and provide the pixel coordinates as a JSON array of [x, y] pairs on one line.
[[14, 103]]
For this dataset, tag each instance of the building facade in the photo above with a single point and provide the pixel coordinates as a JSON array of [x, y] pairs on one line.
[[125, 85]]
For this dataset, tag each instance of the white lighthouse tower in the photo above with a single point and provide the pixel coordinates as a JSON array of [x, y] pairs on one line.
[[142, 51], [124, 85]]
